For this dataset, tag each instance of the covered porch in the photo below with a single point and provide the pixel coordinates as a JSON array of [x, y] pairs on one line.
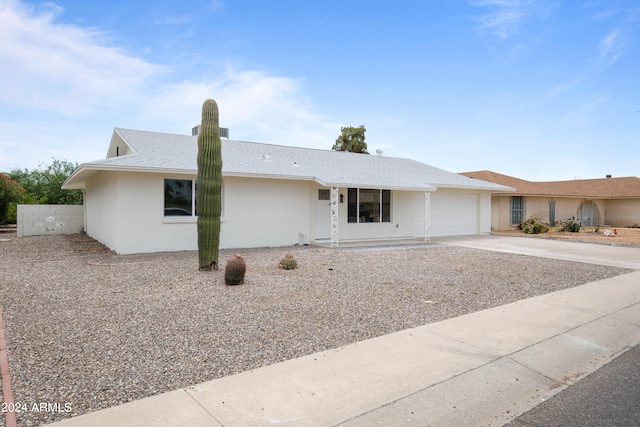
[[348, 216], [379, 244]]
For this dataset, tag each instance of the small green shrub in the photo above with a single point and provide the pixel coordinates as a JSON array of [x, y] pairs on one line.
[[288, 262], [570, 226], [234, 271], [12, 213], [533, 226]]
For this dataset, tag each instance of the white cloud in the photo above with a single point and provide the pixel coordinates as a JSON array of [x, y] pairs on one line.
[[563, 88], [62, 68], [505, 19], [77, 85], [611, 47], [505, 16], [254, 105]]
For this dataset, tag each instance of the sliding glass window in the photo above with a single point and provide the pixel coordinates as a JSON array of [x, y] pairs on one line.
[[368, 205]]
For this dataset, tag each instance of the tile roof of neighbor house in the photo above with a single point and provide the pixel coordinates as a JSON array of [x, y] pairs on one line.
[[601, 188], [163, 152]]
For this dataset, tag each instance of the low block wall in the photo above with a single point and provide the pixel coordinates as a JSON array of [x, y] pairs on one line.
[[35, 220]]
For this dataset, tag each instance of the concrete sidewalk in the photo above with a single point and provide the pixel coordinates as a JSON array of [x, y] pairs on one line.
[[484, 368]]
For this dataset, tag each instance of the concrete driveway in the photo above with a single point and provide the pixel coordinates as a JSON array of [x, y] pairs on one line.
[[591, 253]]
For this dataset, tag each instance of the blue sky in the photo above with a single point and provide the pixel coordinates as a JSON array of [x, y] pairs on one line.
[[541, 90]]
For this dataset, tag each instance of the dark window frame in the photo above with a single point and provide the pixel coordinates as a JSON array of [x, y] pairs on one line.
[[374, 208], [188, 208], [179, 197], [518, 210]]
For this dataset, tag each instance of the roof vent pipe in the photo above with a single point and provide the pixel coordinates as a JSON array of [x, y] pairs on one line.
[[224, 132], [379, 152]]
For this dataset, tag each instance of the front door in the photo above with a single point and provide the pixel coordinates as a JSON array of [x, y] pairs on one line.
[[588, 213], [323, 214]]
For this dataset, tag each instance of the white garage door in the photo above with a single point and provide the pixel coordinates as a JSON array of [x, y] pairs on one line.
[[454, 213]]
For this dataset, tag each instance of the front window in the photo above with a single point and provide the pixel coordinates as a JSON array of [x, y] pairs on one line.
[[179, 197], [368, 205], [517, 210], [324, 194]]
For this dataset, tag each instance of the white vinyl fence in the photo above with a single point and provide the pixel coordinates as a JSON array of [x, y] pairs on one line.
[[35, 220]]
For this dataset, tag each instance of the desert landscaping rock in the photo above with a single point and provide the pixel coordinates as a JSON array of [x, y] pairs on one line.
[[92, 329]]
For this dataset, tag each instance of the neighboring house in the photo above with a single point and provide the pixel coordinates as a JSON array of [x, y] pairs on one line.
[[605, 201], [141, 198]]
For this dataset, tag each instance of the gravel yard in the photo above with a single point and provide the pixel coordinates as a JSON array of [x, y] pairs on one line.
[[89, 329]]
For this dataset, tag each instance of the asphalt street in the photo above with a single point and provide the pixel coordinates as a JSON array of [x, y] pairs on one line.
[[608, 397]]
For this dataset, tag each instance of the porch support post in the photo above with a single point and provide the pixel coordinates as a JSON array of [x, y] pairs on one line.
[[427, 216], [334, 217]]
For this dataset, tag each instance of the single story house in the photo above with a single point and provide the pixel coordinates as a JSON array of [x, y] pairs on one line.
[[606, 201], [141, 197]]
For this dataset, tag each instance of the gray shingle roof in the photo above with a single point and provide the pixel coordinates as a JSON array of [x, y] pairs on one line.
[[156, 151]]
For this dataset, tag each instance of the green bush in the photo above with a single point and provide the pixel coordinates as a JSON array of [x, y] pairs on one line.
[[533, 226], [43, 185], [570, 226], [11, 192], [12, 213]]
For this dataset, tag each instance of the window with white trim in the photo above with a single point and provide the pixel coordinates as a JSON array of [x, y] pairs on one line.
[[368, 205]]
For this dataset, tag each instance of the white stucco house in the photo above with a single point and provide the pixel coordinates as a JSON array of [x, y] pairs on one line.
[[141, 197]]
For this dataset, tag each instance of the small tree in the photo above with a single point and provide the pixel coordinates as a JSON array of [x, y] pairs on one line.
[[43, 185], [10, 192], [352, 140], [208, 198]]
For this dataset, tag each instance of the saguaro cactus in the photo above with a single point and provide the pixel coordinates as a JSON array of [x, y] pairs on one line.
[[208, 199]]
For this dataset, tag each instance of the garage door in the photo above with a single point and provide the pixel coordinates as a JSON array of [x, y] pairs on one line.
[[453, 213]]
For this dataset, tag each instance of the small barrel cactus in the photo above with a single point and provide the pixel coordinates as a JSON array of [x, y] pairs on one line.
[[234, 271], [288, 262]]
